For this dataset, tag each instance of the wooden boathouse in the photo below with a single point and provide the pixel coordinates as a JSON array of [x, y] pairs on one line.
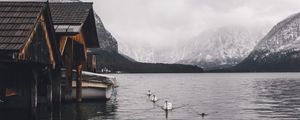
[[38, 42], [75, 31], [29, 55]]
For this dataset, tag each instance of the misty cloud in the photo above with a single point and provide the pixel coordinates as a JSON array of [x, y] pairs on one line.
[[166, 22]]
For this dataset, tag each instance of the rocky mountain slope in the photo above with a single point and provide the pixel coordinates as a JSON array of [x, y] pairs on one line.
[[279, 50], [106, 40]]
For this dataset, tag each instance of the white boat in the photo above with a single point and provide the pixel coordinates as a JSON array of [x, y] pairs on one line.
[[95, 86]]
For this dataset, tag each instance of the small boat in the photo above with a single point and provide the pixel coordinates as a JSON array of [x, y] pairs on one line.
[[95, 86]]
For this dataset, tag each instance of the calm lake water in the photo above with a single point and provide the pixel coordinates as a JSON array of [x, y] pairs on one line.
[[223, 96]]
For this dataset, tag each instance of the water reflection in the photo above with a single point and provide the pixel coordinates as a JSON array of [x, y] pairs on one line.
[[166, 112], [85, 111], [277, 98], [248, 96], [16, 115], [69, 111]]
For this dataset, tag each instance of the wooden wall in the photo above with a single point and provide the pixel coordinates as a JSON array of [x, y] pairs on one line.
[[38, 49]]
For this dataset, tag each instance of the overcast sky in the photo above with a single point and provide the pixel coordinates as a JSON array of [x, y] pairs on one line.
[[160, 22]]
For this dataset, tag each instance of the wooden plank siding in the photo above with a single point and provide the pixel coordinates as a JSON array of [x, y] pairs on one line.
[[38, 47], [23, 24], [29, 55], [81, 40]]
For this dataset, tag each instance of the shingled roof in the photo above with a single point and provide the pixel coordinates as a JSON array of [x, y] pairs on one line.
[[17, 19], [70, 12]]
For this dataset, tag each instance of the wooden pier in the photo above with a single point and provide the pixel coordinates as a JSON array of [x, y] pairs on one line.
[[37, 40]]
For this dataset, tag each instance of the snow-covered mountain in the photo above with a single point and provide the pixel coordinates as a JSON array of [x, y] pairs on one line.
[[222, 47], [150, 54], [279, 49], [211, 49], [137, 51]]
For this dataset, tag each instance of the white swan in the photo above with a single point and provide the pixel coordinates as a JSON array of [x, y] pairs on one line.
[[153, 98], [149, 93], [167, 106]]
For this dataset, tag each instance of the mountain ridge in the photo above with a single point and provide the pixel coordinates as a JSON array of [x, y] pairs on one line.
[[279, 50], [212, 49], [223, 47]]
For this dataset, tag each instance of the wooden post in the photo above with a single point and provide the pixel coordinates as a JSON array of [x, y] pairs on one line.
[[33, 115], [57, 112], [67, 91], [2, 90], [33, 97], [94, 63], [68, 81], [49, 88], [2, 85], [79, 83], [56, 87], [2, 93], [71, 65], [78, 112]]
